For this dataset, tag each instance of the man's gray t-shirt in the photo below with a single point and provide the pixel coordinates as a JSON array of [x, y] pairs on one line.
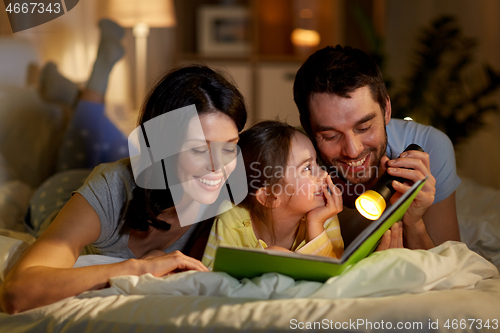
[[400, 134], [108, 189]]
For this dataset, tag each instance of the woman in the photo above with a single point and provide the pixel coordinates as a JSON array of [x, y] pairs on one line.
[[119, 218]]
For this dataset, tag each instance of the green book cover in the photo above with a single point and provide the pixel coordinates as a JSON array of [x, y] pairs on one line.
[[248, 263]]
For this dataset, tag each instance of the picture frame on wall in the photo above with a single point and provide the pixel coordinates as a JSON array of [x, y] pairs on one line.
[[223, 30]]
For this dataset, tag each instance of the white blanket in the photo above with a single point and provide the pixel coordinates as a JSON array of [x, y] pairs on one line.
[[448, 266], [275, 302], [397, 271]]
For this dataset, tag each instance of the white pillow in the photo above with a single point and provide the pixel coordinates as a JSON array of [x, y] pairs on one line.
[[30, 134], [14, 201], [11, 250], [478, 211]]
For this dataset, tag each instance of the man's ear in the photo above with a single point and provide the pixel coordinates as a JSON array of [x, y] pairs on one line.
[[267, 199], [388, 110]]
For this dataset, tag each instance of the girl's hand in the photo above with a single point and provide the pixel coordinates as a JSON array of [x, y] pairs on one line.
[[160, 264], [277, 248], [316, 218], [332, 207]]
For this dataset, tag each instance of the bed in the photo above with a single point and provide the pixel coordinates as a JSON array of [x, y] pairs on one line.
[[453, 287], [449, 287]]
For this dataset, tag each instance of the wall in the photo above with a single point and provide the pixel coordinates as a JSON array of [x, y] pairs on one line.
[[479, 157], [71, 41]]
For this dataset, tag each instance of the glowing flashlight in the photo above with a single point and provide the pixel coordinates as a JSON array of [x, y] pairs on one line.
[[372, 203]]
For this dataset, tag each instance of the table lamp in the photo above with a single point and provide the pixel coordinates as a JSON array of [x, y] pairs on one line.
[[372, 203], [142, 15], [305, 37]]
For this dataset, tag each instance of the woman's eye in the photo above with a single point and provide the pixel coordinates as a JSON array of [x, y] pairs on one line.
[[230, 151], [199, 151], [308, 167]]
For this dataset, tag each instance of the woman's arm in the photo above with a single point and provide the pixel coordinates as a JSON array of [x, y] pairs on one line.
[[45, 273]]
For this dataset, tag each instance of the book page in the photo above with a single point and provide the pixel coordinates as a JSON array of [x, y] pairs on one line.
[[377, 223]]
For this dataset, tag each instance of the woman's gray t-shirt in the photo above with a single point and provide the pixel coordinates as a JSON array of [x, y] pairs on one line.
[[108, 189]]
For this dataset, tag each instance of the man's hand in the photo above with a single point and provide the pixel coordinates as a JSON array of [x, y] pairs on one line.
[[392, 238], [413, 166]]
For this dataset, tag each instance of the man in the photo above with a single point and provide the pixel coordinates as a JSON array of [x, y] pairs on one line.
[[346, 110]]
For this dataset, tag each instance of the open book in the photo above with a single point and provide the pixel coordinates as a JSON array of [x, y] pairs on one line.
[[248, 263]]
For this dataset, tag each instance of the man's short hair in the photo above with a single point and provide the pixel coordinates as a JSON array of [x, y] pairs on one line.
[[336, 70]]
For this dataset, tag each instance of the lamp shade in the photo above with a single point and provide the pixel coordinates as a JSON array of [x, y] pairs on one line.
[[154, 13]]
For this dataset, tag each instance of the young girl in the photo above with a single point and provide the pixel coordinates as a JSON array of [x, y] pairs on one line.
[[288, 206]]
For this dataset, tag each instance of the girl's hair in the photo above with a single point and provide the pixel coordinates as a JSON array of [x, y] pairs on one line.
[[265, 148], [210, 92]]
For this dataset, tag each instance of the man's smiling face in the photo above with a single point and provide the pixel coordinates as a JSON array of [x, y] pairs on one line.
[[350, 133]]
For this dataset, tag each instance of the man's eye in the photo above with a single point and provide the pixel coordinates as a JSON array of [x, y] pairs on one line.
[[364, 129], [230, 151], [330, 138]]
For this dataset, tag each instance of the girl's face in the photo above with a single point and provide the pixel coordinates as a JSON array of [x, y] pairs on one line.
[[302, 189], [207, 157]]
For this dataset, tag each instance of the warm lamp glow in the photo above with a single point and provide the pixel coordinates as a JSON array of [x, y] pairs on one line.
[[370, 204], [141, 15], [154, 13], [305, 38]]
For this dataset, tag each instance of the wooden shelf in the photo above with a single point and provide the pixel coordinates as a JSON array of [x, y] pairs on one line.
[[250, 59], [265, 75], [275, 20], [271, 25], [208, 58]]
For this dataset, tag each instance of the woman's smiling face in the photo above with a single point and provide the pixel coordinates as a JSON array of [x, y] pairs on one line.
[[207, 157]]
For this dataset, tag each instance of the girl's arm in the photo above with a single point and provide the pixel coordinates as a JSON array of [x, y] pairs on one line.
[[322, 230], [45, 273], [316, 218]]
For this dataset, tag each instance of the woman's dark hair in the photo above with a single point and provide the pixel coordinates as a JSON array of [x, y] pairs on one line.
[[210, 92], [265, 148], [339, 71]]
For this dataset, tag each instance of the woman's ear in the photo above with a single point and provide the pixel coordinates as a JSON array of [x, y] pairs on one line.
[[267, 199]]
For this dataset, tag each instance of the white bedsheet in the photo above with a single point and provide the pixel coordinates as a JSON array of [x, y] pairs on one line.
[[451, 265], [397, 271], [396, 286], [161, 313]]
